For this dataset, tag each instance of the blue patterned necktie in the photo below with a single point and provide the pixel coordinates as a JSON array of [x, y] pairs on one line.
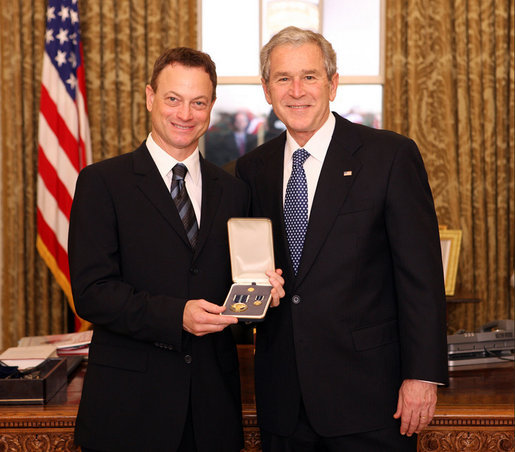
[[183, 202], [296, 207]]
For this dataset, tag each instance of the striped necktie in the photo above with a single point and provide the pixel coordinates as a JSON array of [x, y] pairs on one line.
[[183, 202], [296, 207]]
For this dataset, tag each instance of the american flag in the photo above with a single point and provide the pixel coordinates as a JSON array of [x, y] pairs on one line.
[[64, 138]]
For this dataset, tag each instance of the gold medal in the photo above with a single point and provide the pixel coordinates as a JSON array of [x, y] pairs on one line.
[[258, 303], [238, 307], [251, 289]]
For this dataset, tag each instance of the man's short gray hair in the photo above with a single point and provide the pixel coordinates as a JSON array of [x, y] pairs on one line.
[[297, 37]]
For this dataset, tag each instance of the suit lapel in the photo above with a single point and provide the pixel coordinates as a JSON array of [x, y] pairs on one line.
[[339, 170], [152, 185], [273, 172]]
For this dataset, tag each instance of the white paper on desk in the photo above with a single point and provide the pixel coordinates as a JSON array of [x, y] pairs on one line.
[[61, 341], [26, 357], [66, 344]]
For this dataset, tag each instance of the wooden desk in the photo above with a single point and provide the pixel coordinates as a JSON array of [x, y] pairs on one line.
[[475, 413], [43, 428]]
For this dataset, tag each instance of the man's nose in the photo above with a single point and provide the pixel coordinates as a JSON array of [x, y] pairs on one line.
[[184, 112], [296, 88]]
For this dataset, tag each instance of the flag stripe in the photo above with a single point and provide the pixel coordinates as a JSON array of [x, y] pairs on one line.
[[61, 278], [54, 217], [54, 185], [57, 91], [49, 146], [53, 244], [60, 129]]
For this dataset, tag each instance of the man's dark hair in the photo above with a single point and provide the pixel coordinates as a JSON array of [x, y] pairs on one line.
[[187, 57]]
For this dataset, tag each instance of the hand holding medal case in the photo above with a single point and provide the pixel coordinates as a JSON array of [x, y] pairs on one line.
[[252, 254]]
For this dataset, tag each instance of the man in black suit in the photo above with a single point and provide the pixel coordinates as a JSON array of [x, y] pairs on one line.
[[163, 370], [351, 359]]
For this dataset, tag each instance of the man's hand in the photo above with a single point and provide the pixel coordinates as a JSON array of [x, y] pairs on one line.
[[277, 282], [416, 405], [201, 317]]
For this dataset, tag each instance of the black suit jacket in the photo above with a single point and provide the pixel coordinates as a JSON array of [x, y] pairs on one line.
[[132, 271], [367, 308]]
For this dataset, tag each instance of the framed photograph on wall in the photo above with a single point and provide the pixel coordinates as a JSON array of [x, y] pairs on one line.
[[450, 242]]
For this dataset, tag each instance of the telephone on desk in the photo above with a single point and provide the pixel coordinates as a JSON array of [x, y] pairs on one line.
[[493, 343]]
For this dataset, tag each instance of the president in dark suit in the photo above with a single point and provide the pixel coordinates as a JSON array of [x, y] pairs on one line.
[[351, 359], [150, 268]]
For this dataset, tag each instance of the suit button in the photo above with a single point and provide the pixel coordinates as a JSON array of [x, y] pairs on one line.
[[187, 359], [295, 299], [194, 271]]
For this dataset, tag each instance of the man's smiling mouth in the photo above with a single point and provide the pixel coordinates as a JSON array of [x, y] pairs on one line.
[[179, 126]]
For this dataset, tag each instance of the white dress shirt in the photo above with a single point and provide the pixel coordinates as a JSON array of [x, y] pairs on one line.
[[317, 147], [193, 180]]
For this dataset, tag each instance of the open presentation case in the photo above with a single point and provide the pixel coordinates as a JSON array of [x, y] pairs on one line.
[[251, 249], [38, 387]]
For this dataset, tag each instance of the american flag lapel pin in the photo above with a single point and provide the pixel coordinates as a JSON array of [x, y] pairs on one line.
[[347, 173]]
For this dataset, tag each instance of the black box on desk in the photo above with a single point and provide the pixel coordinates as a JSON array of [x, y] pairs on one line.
[[22, 391], [251, 248]]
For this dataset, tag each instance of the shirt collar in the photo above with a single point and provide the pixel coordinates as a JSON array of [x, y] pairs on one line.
[[317, 145], [165, 162]]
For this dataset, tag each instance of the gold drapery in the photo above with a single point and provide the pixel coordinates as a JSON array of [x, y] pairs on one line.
[[450, 86], [121, 40]]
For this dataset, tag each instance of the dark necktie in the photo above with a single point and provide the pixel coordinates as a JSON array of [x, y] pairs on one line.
[[296, 207], [183, 202]]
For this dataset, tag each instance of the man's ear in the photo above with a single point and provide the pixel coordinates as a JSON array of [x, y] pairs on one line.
[[149, 93], [265, 90], [333, 85]]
